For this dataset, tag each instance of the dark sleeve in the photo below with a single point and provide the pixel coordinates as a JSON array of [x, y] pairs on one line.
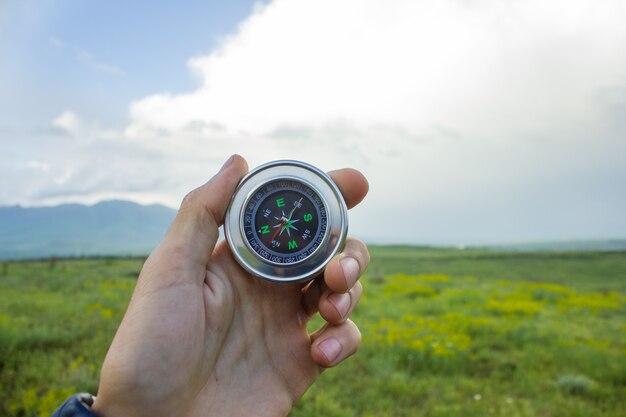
[[76, 406]]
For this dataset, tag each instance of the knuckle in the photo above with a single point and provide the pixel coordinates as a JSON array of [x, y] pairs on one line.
[[365, 253], [357, 290], [189, 199], [359, 250], [178, 255]]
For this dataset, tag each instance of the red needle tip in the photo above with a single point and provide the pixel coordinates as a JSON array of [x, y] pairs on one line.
[[276, 233]]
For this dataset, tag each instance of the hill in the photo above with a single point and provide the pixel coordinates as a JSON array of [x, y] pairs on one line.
[[566, 245], [106, 228]]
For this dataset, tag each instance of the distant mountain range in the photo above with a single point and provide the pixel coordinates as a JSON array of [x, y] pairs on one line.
[[107, 228], [562, 246], [123, 228]]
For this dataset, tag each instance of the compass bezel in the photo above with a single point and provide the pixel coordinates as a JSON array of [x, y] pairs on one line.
[[336, 228]]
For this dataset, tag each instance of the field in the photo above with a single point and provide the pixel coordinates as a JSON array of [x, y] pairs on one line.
[[445, 333]]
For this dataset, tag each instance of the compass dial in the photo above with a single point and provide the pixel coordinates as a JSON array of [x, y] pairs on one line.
[[285, 221]]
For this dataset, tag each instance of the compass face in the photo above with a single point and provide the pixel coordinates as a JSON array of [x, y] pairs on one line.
[[285, 221]]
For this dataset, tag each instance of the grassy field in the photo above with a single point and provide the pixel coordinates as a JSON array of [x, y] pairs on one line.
[[446, 333]]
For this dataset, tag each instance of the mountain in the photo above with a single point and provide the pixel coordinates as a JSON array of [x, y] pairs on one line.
[[562, 246], [106, 228]]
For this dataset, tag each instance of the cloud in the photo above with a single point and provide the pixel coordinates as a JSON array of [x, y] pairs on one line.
[[475, 121], [461, 113], [56, 42], [67, 121], [87, 58], [484, 67]]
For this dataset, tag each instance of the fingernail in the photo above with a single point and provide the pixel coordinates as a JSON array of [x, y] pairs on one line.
[[341, 303], [227, 163], [330, 348], [350, 270]]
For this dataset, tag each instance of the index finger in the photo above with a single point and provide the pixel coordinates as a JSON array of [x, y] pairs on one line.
[[352, 183]]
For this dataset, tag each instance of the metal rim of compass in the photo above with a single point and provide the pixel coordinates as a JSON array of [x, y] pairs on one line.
[[336, 231]]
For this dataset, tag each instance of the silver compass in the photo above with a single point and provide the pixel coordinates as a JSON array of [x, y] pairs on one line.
[[286, 221]]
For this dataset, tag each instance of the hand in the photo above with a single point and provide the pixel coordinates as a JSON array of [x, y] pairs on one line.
[[202, 337]]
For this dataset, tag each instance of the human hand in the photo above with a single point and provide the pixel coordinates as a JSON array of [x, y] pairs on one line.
[[202, 337]]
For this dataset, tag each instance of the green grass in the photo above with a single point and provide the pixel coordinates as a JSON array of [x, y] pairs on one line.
[[445, 333], [57, 320], [580, 270]]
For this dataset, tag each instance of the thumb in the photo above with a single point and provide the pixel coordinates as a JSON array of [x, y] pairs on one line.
[[194, 232]]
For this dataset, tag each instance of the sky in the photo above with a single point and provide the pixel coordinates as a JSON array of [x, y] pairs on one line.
[[475, 121]]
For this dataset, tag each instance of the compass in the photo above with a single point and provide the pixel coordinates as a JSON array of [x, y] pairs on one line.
[[286, 221]]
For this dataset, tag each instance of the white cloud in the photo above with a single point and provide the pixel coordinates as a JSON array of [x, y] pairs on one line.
[[67, 121], [485, 67], [461, 113], [38, 166], [475, 121]]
